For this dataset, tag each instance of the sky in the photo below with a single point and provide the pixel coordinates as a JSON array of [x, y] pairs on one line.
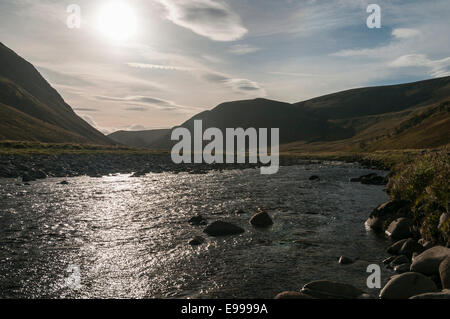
[[155, 63]]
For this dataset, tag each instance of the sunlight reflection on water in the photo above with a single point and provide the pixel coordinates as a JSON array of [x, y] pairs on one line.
[[130, 236]]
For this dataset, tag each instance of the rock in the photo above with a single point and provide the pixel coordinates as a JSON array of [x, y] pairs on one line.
[[444, 294], [39, 174], [27, 178], [64, 183], [261, 219], [400, 269], [443, 220], [399, 261], [425, 244], [196, 241], [395, 247], [371, 179], [444, 273], [220, 228], [325, 289], [198, 220], [409, 247], [386, 212], [345, 260], [388, 260], [400, 228], [407, 285], [428, 262], [314, 178], [292, 295]]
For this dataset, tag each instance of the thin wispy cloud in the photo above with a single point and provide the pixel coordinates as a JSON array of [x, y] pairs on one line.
[[212, 19], [239, 85], [159, 67], [437, 68], [242, 49]]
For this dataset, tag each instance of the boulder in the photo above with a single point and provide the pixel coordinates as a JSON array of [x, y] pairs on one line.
[[399, 261], [388, 260], [428, 262], [197, 220], [444, 273], [373, 179], [425, 244], [325, 289], [400, 269], [386, 212], [395, 247], [407, 285], [196, 241], [314, 178], [220, 228], [292, 295], [399, 228], [345, 260], [444, 294], [410, 247], [27, 178], [261, 219], [64, 183]]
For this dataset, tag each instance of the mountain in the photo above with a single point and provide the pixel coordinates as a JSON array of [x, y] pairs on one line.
[[140, 138], [31, 110], [358, 119]]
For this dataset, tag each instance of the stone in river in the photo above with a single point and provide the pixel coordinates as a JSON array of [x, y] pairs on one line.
[[261, 219], [345, 260], [220, 228], [196, 241]]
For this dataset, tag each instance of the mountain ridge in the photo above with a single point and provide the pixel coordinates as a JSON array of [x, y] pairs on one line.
[[27, 96]]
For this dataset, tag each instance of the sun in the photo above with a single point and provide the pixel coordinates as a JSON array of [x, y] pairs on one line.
[[117, 21]]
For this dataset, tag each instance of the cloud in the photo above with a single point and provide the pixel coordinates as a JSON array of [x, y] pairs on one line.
[[158, 67], [58, 78], [160, 103], [137, 109], [90, 120], [437, 68], [236, 84], [82, 109], [404, 33], [208, 18], [242, 49]]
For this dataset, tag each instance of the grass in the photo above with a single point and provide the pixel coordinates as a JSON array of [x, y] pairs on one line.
[[37, 148], [423, 182]]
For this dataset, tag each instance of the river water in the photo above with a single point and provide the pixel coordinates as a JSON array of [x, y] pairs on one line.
[[128, 237]]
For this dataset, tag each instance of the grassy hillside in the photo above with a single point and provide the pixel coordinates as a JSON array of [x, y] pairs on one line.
[[39, 108]]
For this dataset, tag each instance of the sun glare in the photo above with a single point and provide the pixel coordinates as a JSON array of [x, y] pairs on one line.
[[117, 21]]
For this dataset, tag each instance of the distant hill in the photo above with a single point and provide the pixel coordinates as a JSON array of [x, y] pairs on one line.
[[31, 110], [140, 139], [358, 119]]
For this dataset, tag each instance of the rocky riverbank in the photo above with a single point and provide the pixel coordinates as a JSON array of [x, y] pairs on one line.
[[40, 166], [417, 221], [33, 167]]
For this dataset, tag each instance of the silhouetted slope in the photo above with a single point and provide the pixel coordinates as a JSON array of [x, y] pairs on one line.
[[340, 121], [25, 90], [138, 138]]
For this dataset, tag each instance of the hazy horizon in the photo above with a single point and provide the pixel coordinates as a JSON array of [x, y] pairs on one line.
[[178, 59]]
